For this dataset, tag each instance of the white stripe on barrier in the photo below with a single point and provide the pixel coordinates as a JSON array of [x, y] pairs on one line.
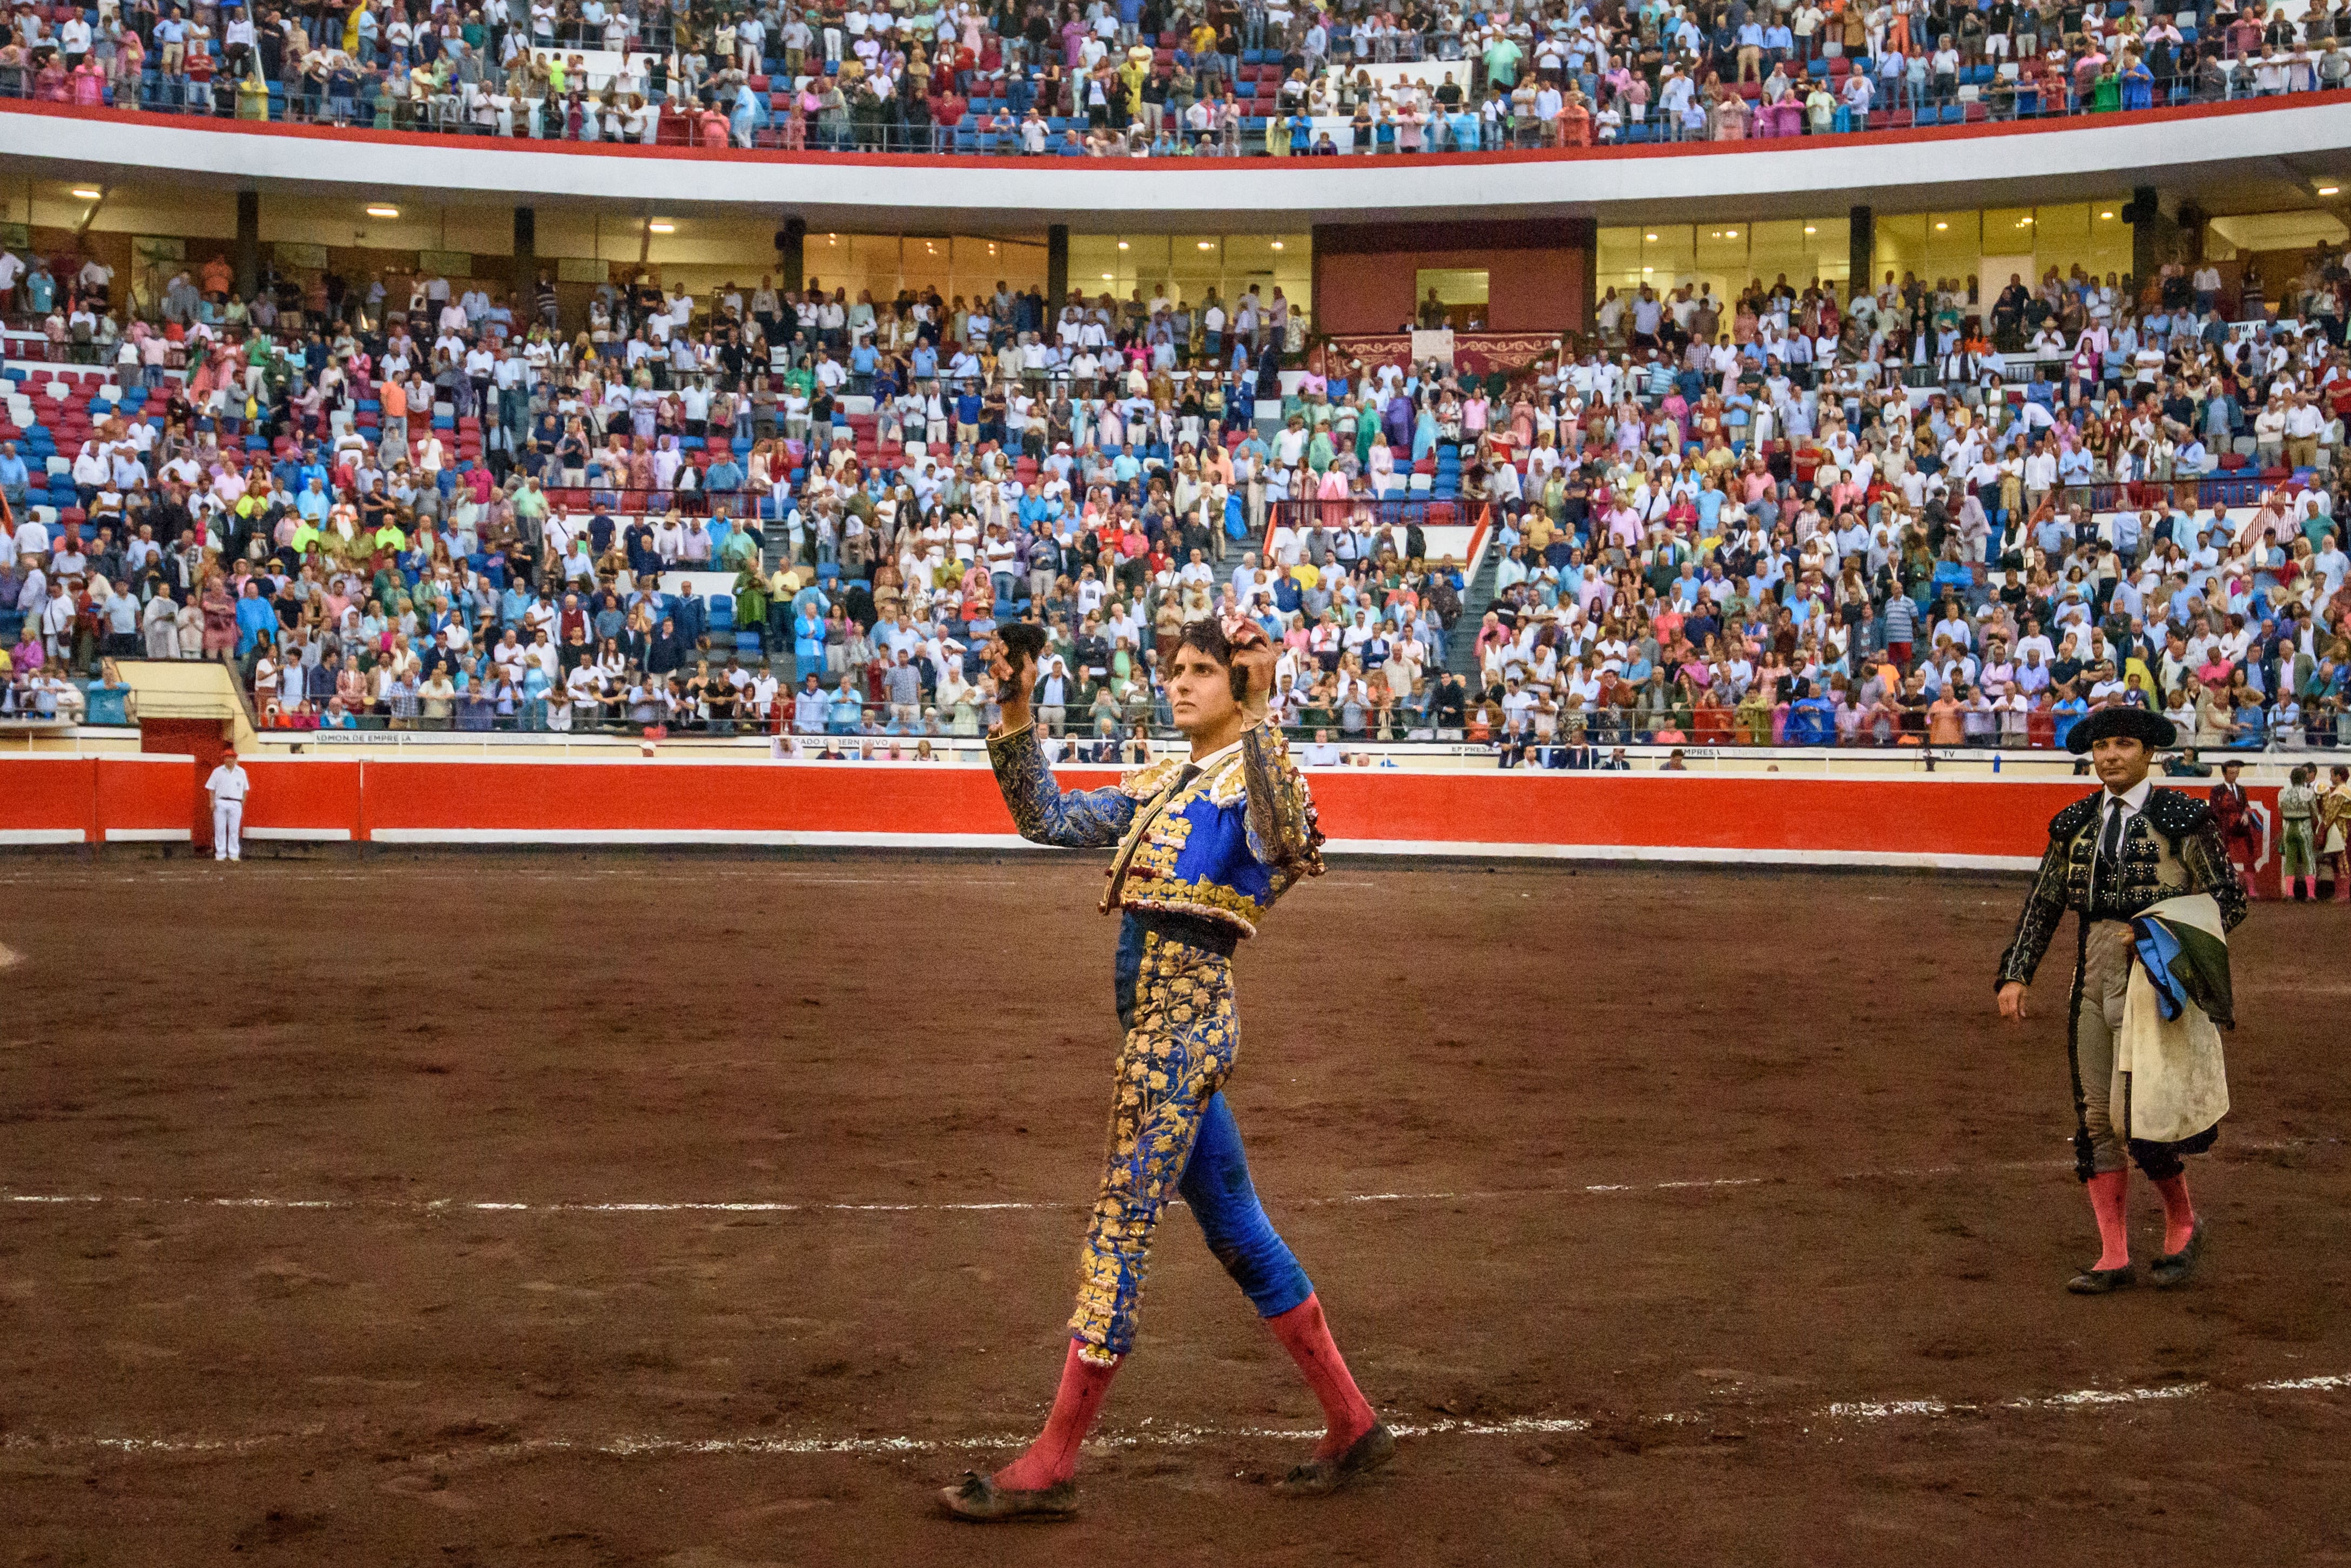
[[1716, 854], [1381, 848], [43, 836], [657, 836]]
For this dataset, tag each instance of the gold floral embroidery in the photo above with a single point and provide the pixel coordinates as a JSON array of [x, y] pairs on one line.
[[1176, 1056], [1164, 840]]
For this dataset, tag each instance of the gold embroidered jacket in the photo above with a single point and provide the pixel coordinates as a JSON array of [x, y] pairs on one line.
[[1222, 845]]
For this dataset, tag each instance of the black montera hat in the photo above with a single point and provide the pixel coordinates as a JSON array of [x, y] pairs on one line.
[[2159, 733]]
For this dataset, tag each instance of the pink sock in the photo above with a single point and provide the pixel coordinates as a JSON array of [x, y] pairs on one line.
[[2108, 1190], [1053, 1457], [2179, 1213], [1346, 1415]]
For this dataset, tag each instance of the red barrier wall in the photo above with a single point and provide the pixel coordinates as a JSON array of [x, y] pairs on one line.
[[1923, 820], [304, 797], [48, 799], [143, 798]]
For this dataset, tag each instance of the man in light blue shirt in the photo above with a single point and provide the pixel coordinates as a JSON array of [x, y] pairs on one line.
[[14, 477]]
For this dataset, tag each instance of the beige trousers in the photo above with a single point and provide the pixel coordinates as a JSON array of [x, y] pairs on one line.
[[2105, 982]]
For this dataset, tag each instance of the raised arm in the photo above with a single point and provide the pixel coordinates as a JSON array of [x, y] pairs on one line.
[[1283, 832], [1045, 812]]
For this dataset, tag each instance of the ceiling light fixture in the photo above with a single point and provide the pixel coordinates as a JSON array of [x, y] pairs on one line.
[[1208, 245], [2105, 215], [1648, 236], [88, 194], [1106, 277], [1277, 245], [2330, 189], [662, 227], [1731, 233], [381, 209], [1811, 230], [1942, 225], [1122, 244]]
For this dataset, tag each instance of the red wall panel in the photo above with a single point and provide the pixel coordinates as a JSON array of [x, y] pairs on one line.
[[48, 796], [313, 794], [144, 797]]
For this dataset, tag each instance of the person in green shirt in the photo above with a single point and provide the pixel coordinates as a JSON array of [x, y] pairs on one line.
[[1502, 57], [741, 551], [750, 595]]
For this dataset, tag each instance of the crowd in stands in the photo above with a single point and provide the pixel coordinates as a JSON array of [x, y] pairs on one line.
[[1920, 514], [1147, 77]]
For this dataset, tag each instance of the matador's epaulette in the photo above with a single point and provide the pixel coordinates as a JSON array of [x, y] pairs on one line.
[[2076, 817], [2176, 814]]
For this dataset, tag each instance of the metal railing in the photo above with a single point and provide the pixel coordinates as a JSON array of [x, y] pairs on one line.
[[1981, 93]]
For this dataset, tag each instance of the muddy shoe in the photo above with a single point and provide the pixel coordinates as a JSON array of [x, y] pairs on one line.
[[1317, 1478], [2178, 1267], [2103, 1282], [978, 1498]]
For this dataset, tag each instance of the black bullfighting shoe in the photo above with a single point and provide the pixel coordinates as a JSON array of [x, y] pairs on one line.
[[2103, 1282], [977, 1498], [2178, 1267], [1317, 1478]]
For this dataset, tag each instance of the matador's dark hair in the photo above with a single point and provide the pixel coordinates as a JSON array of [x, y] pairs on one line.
[[1209, 636], [1024, 640]]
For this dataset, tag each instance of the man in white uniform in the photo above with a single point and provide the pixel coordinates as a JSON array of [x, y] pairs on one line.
[[227, 787]]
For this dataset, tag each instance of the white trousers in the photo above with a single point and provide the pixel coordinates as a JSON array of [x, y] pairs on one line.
[[228, 826]]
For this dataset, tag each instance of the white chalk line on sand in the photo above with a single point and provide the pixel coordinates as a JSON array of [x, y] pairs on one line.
[[780, 1206], [761, 1205], [1830, 1421]]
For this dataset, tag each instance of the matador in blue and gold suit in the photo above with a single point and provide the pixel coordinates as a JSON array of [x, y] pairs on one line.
[[1203, 848]]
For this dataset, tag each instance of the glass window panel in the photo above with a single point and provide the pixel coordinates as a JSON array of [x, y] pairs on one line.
[[925, 262], [1668, 251], [2007, 228], [1721, 250], [2068, 223], [1620, 252], [1900, 246], [1196, 255], [1953, 242], [1828, 243], [981, 263], [1091, 255]]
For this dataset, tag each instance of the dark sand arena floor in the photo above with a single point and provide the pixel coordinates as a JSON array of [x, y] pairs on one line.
[[709, 1211]]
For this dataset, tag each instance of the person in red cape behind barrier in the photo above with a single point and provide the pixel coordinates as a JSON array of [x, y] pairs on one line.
[[1205, 846]]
